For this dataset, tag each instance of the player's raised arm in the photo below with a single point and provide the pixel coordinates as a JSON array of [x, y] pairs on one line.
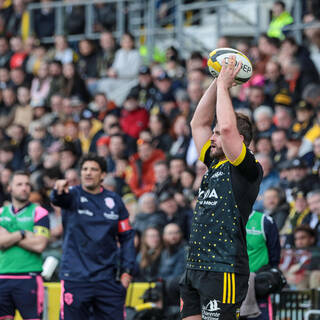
[[203, 117], [232, 141]]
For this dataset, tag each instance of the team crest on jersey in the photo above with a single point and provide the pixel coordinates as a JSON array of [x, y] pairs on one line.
[[109, 202], [68, 298]]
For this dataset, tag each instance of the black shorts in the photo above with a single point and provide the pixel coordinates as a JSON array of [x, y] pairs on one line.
[[214, 295]]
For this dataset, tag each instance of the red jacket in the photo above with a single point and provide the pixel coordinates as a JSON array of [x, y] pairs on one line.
[[142, 179], [132, 122]]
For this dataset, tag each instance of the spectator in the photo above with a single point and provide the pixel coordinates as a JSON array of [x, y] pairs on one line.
[[279, 143], [162, 177], [18, 22], [117, 151], [304, 115], [40, 85], [5, 176], [299, 214], [133, 118], [74, 21], [58, 82], [104, 17], [181, 132], [74, 85], [23, 113], [20, 55], [145, 89], [173, 257], [283, 118], [164, 93], [61, 51], [172, 213], [88, 60], [263, 118], [263, 145], [195, 91], [275, 205], [280, 18], [142, 179], [44, 21], [101, 106], [33, 161], [158, 125], [313, 199], [72, 176], [107, 53], [274, 80], [123, 71], [147, 216], [270, 178], [150, 254], [176, 167], [5, 52], [256, 97]]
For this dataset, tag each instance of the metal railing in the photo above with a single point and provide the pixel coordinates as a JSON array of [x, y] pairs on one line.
[[59, 7], [295, 304], [140, 17]]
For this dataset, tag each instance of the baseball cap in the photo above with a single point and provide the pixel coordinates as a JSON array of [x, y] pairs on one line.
[[303, 105], [144, 70], [164, 196], [163, 76], [297, 163], [283, 98], [133, 95]]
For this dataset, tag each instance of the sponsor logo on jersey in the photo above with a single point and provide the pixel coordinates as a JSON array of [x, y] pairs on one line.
[[109, 202], [83, 199], [211, 310], [23, 219], [218, 174], [111, 216], [86, 212], [5, 219]]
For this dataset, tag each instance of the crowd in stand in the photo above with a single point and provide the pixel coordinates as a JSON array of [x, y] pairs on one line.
[[59, 102]]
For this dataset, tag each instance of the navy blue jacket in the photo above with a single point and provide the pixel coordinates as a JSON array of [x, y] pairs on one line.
[[93, 225]]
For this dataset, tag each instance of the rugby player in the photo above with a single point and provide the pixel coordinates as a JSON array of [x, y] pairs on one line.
[[217, 270]]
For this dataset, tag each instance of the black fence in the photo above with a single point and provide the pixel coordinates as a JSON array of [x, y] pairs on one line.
[[293, 304]]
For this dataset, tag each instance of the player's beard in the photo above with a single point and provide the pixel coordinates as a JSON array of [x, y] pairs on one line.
[[217, 153]]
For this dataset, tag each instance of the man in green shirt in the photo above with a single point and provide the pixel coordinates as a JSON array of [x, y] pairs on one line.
[[24, 234]]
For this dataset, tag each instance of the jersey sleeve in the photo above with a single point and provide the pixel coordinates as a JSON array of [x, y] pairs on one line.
[[205, 154], [41, 222], [272, 240], [64, 200], [126, 239], [247, 164]]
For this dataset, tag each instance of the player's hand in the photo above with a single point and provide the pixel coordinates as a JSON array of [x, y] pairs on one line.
[[61, 186], [125, 280], [228, 72]]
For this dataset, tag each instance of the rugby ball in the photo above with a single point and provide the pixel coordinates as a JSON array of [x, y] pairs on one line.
[[217, 56]]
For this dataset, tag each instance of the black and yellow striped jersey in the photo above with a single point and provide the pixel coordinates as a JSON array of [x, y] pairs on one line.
[[226, 195]]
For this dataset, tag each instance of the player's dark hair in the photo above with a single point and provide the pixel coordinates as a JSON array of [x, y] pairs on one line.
[[244, 126], [19, 173], [94, 157]]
